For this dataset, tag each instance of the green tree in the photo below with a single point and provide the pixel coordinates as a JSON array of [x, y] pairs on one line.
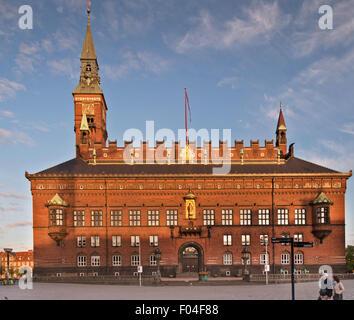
[[349, 257]]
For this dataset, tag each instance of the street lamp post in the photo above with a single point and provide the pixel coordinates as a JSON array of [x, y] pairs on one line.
[[245, 257], [8, 253], [158, 258]]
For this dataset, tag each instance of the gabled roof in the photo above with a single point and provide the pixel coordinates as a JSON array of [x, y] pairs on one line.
[[78, 167]]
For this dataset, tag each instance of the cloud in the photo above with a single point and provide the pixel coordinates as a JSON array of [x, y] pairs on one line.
[[64, 67], [6, 113], [19, 224], [13, 195], [261, 21], [15, 137], [8, 89], [232, 81], [140, 61], [348, 128]]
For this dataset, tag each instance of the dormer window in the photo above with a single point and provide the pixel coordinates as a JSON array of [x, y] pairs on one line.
[[322, 215], [88, 67]]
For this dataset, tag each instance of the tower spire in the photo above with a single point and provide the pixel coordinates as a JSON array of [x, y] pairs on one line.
[[89, 78], [280, 132]]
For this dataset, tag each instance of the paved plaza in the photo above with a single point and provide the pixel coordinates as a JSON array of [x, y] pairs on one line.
[[62, 291]]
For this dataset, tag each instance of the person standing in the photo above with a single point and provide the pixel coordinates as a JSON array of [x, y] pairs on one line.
[[338, 289]]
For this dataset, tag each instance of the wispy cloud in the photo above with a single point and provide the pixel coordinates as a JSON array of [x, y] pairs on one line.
[[6, 113], [64, 67], [13, 195], [348, 128], [261, 21], [19, 224], [233, 82], [140, 61], [8, 89], [15, 137]]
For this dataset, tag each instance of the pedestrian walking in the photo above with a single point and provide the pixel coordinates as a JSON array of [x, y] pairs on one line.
[[326, 286], [338, 289]]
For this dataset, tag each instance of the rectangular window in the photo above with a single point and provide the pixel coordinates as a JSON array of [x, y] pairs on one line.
[[95, 241], [154, 241], [134, 217], [245, 217], [96, 218], [227, 240], [227, 259], [116, 218], [283, 216], [153, 261], [81, 241], [263, 217], [263, 239], [246, 239], [227, 217], [116, 241], [172, 217], [299, 258], [323, 215], [153, 218], [285, 235], [300, 216], [135, 260], [298, 237], [95, 261], [135, 241], [56, 217], [79, 218], [208, 217], [116, 260], [81, 261]]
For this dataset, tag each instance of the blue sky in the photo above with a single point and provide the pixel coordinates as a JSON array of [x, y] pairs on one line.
[[238, 59]]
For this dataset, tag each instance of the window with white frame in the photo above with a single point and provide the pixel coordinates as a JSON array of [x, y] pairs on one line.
[[116, 260], [298, 258], [263, 217], [263, 238], [134, 217], [322, 215], [227, 258], [154, 241], [227, 240], [95, 241], [172, 217], [300, 216], [116, 218], [264, 258], [246, 239], [153, 261], [285, 258], [81, 241], [227, 217], [95, 261], [285, 235], [135, 241], [135, 260], [153, 218], [79, 218], [96, 218], [208, 217], [283, 216], [298, 237], [245, 217], [81, 261], [56, 217], [116, 241]]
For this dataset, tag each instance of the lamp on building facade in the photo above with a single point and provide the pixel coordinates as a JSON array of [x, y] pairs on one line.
[[158, 258], [245, 257], [8, 253]]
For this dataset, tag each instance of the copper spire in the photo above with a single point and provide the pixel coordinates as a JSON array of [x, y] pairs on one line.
[[281, 123], [88, 48]]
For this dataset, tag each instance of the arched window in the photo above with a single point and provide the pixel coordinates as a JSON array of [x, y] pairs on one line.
[[81, 260], [227, 258], [116, 260], [285, 258], [299, 258]]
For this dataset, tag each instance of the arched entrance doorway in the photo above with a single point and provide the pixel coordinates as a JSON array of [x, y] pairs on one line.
[[190, 258]]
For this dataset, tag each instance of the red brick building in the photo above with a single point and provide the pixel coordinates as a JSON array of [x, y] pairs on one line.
[[23, 258], [93, 213]]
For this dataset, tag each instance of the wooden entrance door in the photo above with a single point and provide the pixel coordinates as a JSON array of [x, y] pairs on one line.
[[190, 260]]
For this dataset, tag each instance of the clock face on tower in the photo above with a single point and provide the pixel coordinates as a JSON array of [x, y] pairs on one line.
[[88, 108]]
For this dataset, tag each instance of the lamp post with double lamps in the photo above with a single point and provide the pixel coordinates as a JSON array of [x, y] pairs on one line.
[[245, 257], [8, 253]]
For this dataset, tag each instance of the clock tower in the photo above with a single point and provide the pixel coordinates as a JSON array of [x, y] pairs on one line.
[[90, 105]]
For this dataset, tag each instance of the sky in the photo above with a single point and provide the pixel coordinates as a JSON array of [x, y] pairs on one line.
[[237, 59]]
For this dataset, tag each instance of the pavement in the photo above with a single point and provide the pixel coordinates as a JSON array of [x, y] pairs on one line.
[[67, 291]]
